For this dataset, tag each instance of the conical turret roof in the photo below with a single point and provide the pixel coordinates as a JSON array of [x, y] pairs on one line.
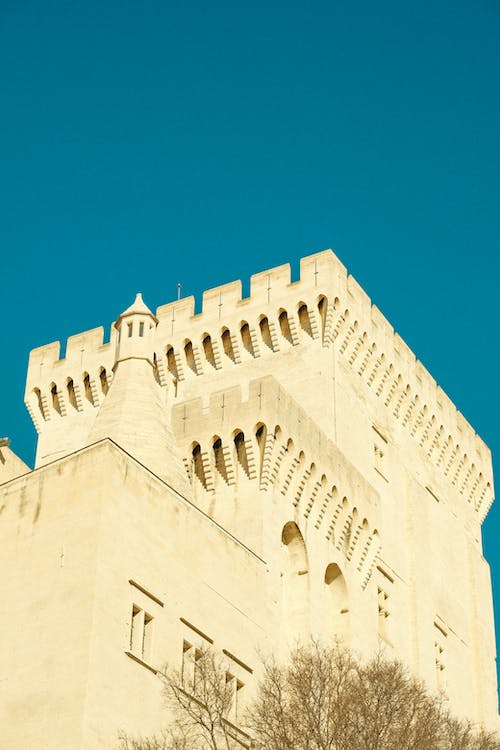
[[138, 307]]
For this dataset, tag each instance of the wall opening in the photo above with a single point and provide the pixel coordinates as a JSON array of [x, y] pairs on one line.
[[190, 361], [246, 338], [70, 387], [209, 350], [219, 461], [285, 326], [295, 583], [55, 398], [241, 451], [227, 344], [337, 620], [87, 388], [171, 363], [103, 378], [265, 332], [304, 319]]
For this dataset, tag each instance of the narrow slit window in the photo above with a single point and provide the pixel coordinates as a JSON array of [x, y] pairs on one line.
[[247, 338], [171, 363], [241, 451], [199, 470], [38, 395], [130, 327], [55, 399], [104, 381], [88, 389], [70, 387], [219, 461], [285, 326], [227, 344], [135, 630], [209, 350], [260, 436], [190, 360], [141, 329], [265, 332], [304, 319], [323, 309], [147, 637]]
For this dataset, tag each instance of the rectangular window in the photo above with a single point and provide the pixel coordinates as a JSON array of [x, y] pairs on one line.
[[234, 686], [141, 629], [130, 328], [141, 329]]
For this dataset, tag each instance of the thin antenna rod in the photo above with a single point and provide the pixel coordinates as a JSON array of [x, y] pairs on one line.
[[178, 291]]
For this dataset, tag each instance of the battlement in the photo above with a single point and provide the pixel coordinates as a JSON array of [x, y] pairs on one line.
[[324, 308]]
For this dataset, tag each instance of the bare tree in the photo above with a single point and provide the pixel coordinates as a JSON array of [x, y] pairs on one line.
[[199, 711], [323, 698]]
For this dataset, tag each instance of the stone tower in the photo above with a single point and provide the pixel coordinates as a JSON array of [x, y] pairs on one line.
[[272, 468]]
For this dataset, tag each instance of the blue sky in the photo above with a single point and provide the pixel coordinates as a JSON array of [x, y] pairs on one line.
[[142, 144]]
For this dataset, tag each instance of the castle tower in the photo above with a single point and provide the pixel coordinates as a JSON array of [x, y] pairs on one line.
[[272, 467], [134, 413]]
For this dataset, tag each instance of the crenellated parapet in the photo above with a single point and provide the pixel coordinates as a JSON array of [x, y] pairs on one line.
[[238, 339], [265, 442]]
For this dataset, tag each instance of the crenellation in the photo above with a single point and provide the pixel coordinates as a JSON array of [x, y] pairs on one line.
[[323, 269], [216, 301], [90, 341], [400, 387], [174, 314], [269, 285]]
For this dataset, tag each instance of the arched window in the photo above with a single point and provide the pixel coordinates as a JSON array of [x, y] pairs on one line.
[[295, 584], [304, 320], [241, 451], [190, 361], [247, 338], [70, 387], [219, 461], [171, 363], [337, 604], [285, 326], [323, 309], [198, 468], [55, 398], [265, 332], [260, 436], [227, 344], [87, 388], [103, 380], [209, 350], [38, 396]]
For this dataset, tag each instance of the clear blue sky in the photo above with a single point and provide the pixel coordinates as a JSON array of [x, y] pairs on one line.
[[146, 143]]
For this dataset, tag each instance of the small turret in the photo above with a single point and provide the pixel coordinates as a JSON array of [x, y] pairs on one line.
[[136, 330], [135, 413]]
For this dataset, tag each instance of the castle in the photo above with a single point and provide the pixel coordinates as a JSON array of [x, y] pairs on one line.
[[271, 468]]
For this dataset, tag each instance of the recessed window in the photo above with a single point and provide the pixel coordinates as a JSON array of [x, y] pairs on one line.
[[55, 399], [70, 386], [87, 388], [285, 326], [130, 327], [227, 344], [141, 633], [209, 350], [141, 329]]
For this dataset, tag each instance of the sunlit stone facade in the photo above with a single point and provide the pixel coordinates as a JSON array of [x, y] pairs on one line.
[[270, 469]]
